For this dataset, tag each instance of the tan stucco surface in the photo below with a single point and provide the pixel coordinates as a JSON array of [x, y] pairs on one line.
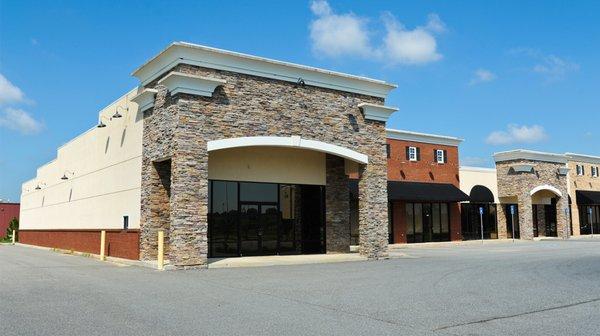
[[103, 166], [267, 164], [472, 176]]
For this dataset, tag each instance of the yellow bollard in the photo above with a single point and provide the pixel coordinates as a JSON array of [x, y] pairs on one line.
[[102, 245], [161, 249], [14, 237]]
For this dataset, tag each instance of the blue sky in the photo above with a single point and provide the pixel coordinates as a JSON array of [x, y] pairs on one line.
[[500, 74]]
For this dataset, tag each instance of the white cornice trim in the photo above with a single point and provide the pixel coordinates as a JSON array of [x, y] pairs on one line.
[[423, 137], [583, 158], [145, 99], [522, 154], [213, 58], [377, 112], [293, 142], [477, 169], [179, 82]]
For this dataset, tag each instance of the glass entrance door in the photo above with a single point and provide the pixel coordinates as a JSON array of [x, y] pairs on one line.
[[550, 214], [258, 228]]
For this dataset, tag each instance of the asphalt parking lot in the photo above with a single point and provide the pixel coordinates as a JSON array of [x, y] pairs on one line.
[[526, 288]]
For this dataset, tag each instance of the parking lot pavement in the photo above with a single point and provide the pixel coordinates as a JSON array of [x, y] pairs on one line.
[[526, 288]]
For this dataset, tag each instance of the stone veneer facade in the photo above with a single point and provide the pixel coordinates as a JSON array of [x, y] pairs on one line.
[[580, 182], [178, 128], [516, 187]]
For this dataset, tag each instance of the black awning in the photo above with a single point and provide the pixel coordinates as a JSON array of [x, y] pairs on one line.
[[585, 197], [481, 194], [431, 192]]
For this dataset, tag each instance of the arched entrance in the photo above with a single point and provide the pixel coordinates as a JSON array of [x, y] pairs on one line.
[[278, 196], [544, 200], [480, 209]]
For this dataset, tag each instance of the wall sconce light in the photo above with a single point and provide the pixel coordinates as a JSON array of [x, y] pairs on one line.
[[40, 185], [100, 123], [65, 177], [117, 114]]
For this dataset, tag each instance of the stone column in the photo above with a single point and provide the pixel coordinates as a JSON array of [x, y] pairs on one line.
[[155, 209], [372, 210], [501, 218], [189, 200], [562, 219], [337, 205], [525, 216], [541, 220]]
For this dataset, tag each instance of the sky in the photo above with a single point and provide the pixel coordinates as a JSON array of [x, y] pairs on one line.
[[499, 74]]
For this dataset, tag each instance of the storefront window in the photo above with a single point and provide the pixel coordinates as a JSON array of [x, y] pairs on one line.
[[426, 222]]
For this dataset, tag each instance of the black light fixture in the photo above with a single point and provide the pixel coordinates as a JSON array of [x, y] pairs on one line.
[[65, 177], [38, 187], [117, 114], [101, 124]]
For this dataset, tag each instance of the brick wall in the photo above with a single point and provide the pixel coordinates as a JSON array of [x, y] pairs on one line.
[[425, 170], [119, 243], [8, 211]]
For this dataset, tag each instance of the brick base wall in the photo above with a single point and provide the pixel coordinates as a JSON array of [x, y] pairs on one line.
[[119, 243]]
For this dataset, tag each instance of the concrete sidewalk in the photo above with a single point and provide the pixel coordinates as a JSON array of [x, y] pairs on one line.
[[280, 260]]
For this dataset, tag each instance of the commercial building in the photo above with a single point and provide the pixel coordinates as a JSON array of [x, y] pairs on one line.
[[547, 194], [481, 210], [423, 187], [230, 155]]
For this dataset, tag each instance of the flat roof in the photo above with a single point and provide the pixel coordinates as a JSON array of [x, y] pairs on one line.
[[209, 57], [422, 137], [583, 158]]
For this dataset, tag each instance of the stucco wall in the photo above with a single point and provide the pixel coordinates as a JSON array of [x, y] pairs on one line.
[[103, 166], [472, 176], [267, 164]]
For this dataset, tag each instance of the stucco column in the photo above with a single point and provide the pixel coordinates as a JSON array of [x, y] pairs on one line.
[[525, 216], [372, 210], [501, 217], [337, 205], [562, 218], [575, 218]]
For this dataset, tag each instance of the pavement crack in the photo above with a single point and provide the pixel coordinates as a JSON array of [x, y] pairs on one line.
[[517, 315]]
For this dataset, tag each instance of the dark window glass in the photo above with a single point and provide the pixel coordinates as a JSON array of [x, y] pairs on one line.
[[435, 218], [125, 222], [223, 219], [445, 218], [258, 192]]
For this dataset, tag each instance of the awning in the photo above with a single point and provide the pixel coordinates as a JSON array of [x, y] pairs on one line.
[[428, 192], [481, 194], [586, 197]]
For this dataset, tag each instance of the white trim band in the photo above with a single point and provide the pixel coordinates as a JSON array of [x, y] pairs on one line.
[[377, 112], [179, 82], [422, 137], [293, 142], [145, 99], [546, 187], [213, 58], [521, 154]]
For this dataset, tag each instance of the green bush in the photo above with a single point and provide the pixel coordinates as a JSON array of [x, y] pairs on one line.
[[13, 225]]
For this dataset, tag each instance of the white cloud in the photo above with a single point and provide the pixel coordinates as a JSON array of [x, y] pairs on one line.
[[9, 93], [554, 67], [517, 134], [416, 46], [551, 67], [19, 120], [336, 35], [482, 76]]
